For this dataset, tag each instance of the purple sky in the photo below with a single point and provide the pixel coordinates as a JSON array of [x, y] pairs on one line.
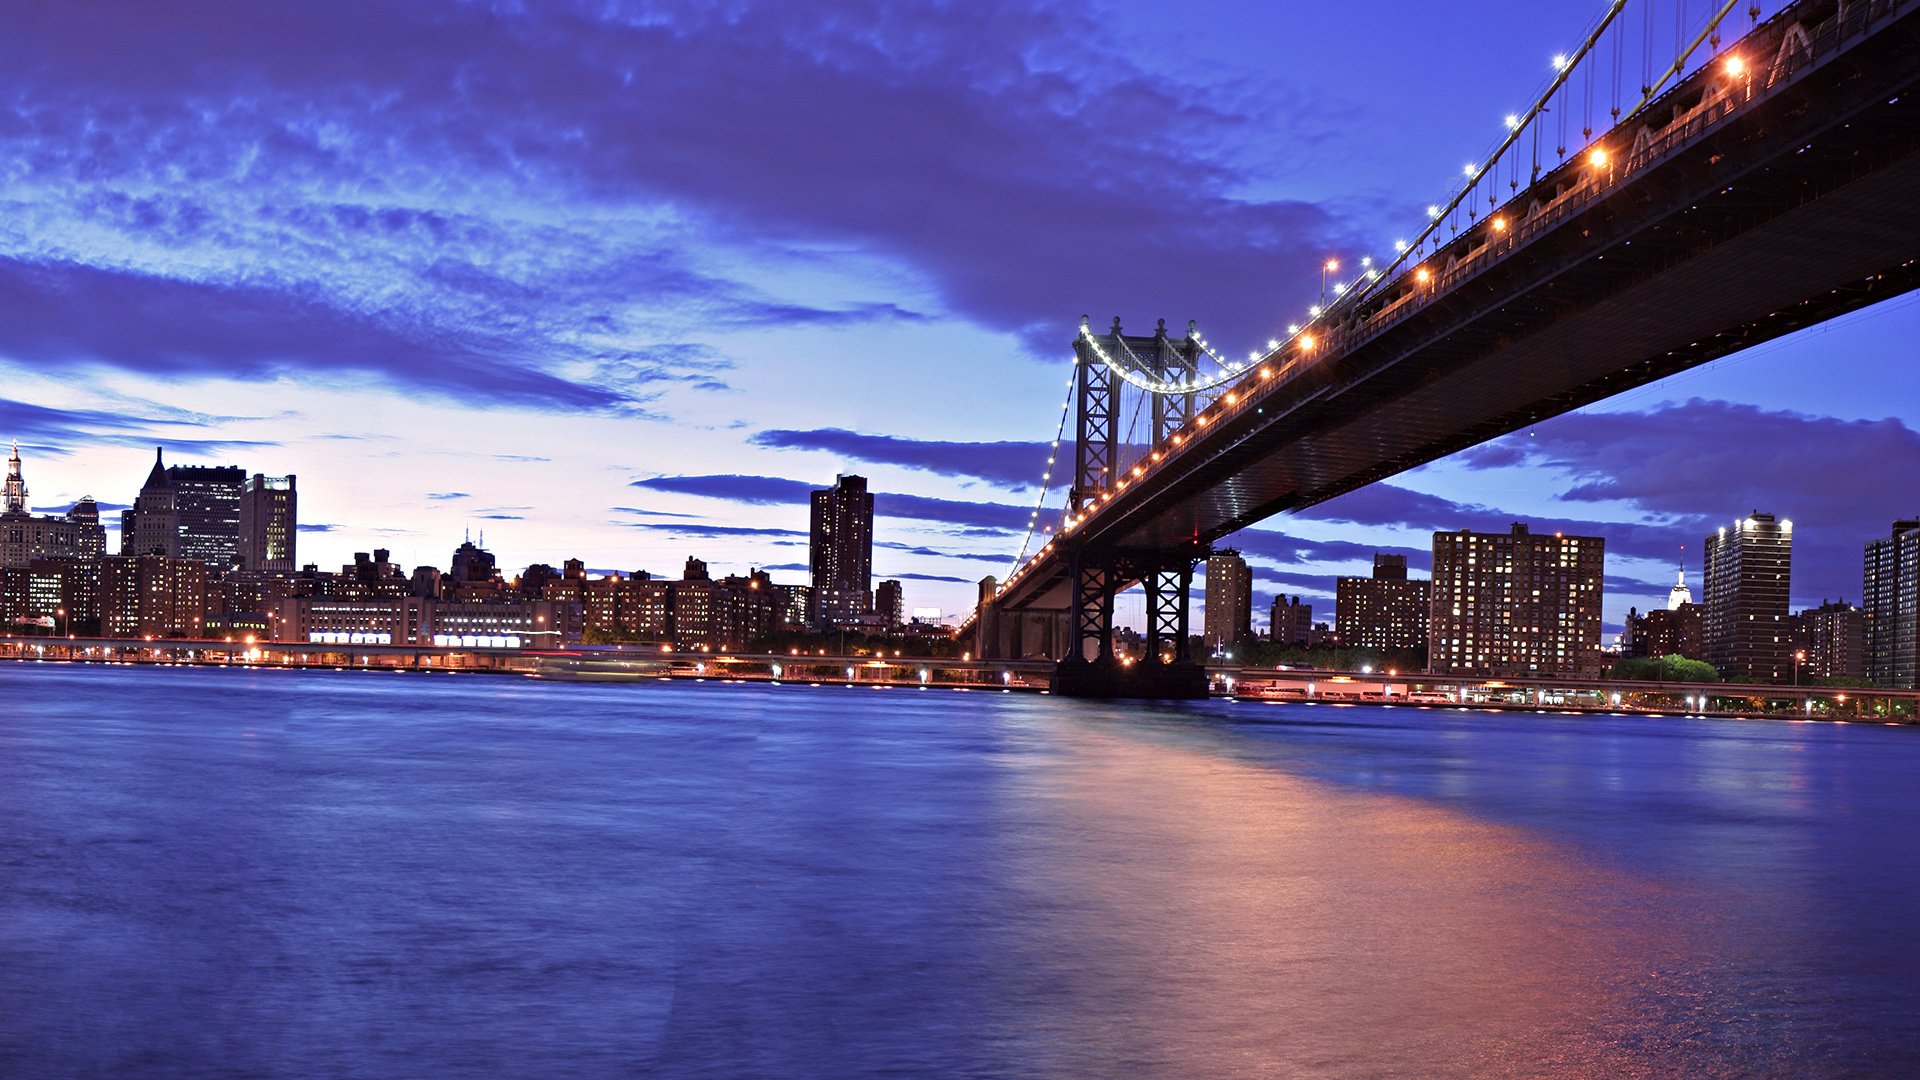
[[623, 282]]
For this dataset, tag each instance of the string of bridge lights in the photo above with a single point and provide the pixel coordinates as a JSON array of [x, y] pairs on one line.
[[1345, 294], [1046, 477]]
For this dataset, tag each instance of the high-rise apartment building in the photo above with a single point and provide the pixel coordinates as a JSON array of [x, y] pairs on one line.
[[1385, 612], [1229, 601], [841, 543], [1744, 615], [268, 524], [1290, 622], [1517, 603], [1892, 601], [1832, 642], [206, 501]]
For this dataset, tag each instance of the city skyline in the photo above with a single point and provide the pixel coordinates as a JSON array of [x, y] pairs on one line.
[[635, 357]]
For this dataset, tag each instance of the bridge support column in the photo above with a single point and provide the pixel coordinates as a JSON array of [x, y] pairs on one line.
[[1090, 668]]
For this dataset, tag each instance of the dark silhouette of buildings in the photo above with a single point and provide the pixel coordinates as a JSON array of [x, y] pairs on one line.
[[1290, 622], [1385, 612], [889, 603]]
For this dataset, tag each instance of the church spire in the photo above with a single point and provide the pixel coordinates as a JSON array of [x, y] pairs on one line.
[[16, 484]]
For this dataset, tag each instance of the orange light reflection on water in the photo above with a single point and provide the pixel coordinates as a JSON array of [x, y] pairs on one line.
[[1252, 923]]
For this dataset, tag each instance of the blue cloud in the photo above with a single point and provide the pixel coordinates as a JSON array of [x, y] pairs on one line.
[[1013, 464], [774, 491]]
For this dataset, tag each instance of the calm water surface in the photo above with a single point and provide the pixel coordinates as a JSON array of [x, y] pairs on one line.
[[292, 874]]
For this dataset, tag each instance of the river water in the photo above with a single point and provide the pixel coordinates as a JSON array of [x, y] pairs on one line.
[[293, 874]]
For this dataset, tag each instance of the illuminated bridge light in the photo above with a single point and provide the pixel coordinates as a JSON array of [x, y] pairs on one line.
[[1597, 157], [1735, 66]]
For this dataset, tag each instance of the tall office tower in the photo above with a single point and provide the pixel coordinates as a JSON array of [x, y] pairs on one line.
[[269, 524], [1892, 600], [1384, 612], [889, 602], [841, 542], [207, 501], [1835, 636], [1744, 625], [1229, 601], [1290, 622], [1515, 603], [152, 527]]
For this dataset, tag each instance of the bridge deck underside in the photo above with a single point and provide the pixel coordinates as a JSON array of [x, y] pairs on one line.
[[1773, 222]]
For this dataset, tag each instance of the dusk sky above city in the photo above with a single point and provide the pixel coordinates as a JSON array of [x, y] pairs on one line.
[[624, 282]]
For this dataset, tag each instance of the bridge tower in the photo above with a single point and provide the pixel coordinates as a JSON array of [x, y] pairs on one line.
[[1097, 574]]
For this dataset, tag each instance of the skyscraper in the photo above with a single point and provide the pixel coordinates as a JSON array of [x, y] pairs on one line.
[[1229, 601], [1744, 622], [207, 502], [152, 527], [268, 524], [1892, 600], [1384, 612], [1515, 603], [841, 552]]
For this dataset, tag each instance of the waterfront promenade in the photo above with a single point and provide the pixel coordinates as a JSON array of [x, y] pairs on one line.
[[635, 664]]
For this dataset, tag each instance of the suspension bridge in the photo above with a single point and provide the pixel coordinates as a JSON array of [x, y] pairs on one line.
[[1684, 186]]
